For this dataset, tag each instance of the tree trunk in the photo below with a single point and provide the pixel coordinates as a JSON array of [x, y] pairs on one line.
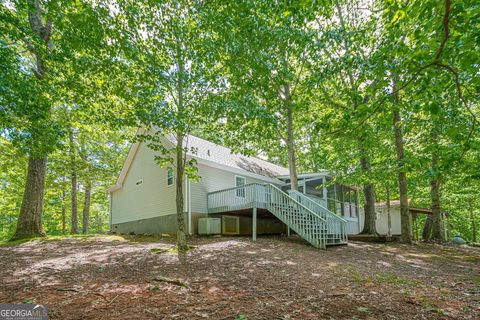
[[181, 233], [437, 228], [292, 166], [86, 207], [29, 222], [180, 156], [74, 228], [369, 226], [64, 216], [405, 216], [427, 228], [474, 225]]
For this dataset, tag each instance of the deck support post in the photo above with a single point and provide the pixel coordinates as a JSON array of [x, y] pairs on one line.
[[288, 231], [254, 224]]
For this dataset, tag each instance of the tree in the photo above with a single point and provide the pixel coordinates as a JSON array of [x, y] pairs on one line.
[[73, 181], [177, 70], [405, 216], [49, 58], [268, 58], [30, 218], [347, 89]]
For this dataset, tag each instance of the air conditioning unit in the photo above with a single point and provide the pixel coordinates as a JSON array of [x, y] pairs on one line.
[[209, 226], [230, 225]]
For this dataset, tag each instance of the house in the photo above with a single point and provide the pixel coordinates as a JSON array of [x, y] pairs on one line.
[[249, 195]]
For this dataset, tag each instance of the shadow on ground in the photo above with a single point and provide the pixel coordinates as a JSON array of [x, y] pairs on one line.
[[110, 277]]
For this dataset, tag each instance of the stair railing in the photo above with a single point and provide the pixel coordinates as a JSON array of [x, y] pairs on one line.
[[335, 224], [305, 222]]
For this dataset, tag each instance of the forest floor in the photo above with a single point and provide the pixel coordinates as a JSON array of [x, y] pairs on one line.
[[111, 277]]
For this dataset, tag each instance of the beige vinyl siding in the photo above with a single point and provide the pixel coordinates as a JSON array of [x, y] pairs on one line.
[[150, 199], [213, 179]]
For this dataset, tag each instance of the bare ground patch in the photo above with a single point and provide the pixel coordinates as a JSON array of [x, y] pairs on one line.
[[235, 278]]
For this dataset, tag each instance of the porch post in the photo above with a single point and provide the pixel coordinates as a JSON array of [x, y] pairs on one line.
[[254, 224]]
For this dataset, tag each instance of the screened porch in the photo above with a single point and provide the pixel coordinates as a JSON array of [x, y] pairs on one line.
[[339, 198]]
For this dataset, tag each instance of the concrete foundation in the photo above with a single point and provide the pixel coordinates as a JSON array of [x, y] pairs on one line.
[[168, 224], [157, 225]]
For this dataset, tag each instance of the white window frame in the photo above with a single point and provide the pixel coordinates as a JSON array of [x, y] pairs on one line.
[[172, 177], [238, 191]]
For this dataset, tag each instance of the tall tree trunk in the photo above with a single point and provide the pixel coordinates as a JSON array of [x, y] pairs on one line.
[[437, 227], [86, 207], [29, 222], [181, 232], [64, 214], [180, 155], [369, 226], [74, 228], [427, 228], [286, 97], [474, 225], [405, 216], [292, 166]]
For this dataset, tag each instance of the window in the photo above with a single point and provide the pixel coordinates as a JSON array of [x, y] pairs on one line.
[[170, 178], [240, 181]]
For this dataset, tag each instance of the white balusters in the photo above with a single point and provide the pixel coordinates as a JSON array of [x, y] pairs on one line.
[[297, 213]]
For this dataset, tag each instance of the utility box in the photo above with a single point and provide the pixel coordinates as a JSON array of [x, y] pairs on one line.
[[208, 226]]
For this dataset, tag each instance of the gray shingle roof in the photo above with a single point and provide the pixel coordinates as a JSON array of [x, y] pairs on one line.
[[222, 155]]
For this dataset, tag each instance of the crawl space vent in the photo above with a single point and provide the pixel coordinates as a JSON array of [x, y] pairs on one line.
[[230, 225]]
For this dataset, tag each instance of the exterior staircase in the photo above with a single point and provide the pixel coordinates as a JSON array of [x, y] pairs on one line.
[[336, 226], [313, 222]]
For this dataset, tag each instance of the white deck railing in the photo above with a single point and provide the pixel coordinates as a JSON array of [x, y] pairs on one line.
[[317, 226], [237, 198]]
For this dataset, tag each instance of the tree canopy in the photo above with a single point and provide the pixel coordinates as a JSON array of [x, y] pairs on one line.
[[384, 94]]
